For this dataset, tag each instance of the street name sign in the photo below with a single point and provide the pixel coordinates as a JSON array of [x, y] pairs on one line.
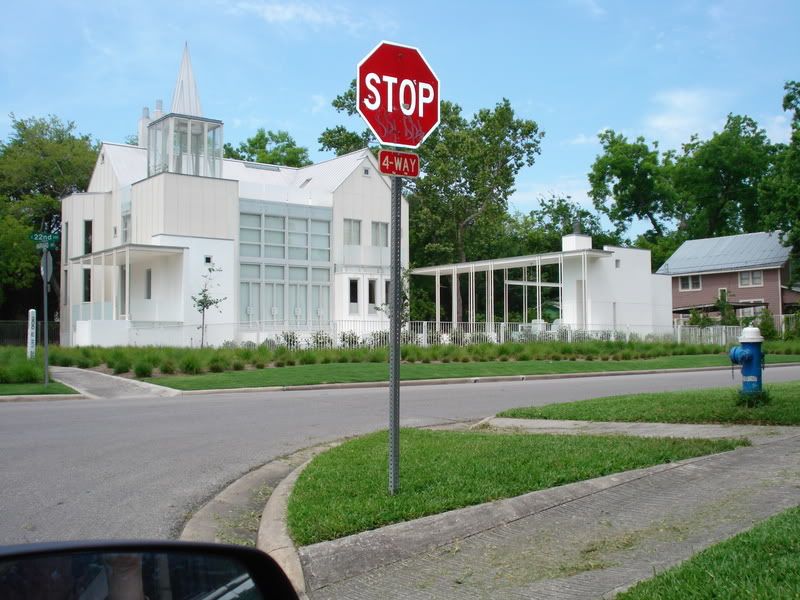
[[397, 93], [402, 164], [41, 236]]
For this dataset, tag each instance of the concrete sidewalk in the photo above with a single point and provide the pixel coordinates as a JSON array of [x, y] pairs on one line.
[[583, 540], [93, 384]]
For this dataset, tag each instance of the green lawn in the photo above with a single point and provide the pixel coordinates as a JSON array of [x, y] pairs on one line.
[[366, 372], [344, 490], [760, 563], [20, 389], [715, 405]]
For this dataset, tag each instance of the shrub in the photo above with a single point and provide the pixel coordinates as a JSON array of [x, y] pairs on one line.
[[216, 365], [259, 364], [321, 339], [83, 362], [167, 366], [143, 369], [307, 358], [238, 365], [349, 339], [229, 345], [766, 323], [24, 371], [121, 365], [190, 364]]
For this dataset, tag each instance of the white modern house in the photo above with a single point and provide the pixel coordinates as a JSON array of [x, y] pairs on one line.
[[593, 290], [292, 248]]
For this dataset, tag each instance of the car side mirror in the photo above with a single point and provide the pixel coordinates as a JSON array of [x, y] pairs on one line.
[[140, 571]]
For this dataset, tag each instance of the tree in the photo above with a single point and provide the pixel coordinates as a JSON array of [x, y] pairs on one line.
[[43, 160], [628, 180], [270, 147], [781, 188], [204, 299], [717, 180], [469, 170], [340, 139]]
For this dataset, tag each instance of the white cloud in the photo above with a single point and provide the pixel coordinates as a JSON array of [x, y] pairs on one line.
[[318, 103], [590, 6], [581, 140], [314, 15], [683, 112], [778, 128]]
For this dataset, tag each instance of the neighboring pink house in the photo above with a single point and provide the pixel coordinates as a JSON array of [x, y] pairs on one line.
[[751, 270]]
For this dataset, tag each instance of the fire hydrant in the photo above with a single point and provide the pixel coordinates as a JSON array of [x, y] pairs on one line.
[[751, 358]]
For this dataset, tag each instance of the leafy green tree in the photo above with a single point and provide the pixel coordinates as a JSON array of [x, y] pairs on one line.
[[341, 140], [717, 180], [43, 160], [661, 246], [766, 323], [781, 188], [270, 147], [628, 180]]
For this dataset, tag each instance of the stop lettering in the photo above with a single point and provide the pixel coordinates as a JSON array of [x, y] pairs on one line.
[[407, 96]]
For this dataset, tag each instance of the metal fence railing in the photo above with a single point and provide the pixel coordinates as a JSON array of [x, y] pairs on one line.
[[15, 333]]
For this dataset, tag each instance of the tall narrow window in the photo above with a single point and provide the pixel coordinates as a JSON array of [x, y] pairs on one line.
[[380, 234], [352, 232], [148, 284], [65, 286], [87, 237], [87, 285], [372, 292], [387, 291], [354, 296], [66, 240]]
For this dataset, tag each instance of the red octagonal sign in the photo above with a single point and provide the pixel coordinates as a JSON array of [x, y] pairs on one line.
[[397, 93]]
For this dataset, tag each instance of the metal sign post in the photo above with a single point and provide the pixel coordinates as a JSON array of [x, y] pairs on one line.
[[46, 269], [396, 321]]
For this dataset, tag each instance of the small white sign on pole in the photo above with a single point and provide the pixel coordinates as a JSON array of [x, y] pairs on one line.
[[31, 333]]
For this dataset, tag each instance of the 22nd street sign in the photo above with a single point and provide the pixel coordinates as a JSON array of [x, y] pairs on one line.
[[397, 93]]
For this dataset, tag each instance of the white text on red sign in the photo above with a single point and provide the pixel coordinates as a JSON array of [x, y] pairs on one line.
[[410, 96], [403, 164]]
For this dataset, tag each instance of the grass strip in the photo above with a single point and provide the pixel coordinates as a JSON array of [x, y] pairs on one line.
[[370, 372], [343, 490], [715, 405], [760, 563], [29, 389]]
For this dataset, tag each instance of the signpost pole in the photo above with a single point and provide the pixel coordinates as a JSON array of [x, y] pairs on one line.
[[394, 349], [46, 287]]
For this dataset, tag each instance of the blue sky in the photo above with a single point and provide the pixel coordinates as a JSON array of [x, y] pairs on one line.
[[664, 70]]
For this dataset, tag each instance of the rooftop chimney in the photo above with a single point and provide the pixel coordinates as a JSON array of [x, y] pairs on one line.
[[144, 121]]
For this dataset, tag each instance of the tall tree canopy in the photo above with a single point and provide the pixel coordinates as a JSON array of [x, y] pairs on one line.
[[43, 160], [340, 139], [628, 181], [270, 147]]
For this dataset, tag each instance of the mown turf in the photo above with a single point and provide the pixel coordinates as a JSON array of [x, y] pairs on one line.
[[368, 372], [715, 405], [25, 389], [760, 563], [344, 490]]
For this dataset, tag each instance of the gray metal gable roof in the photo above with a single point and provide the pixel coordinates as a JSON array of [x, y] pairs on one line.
[[729, 253]]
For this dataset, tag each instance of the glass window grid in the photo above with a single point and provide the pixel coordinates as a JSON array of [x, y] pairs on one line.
[[380, 234], [751, 278], [352, 232], [271, 239], [690, 283]]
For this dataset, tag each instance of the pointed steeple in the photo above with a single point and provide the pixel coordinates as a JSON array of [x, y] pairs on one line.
[[185, 99]]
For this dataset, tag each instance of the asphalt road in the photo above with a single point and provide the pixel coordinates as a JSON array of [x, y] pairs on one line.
[[134, 467]]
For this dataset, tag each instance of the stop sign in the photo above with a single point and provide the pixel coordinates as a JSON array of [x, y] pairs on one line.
[[397, 93]]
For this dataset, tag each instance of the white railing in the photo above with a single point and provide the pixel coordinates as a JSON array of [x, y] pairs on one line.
[[351, 333]]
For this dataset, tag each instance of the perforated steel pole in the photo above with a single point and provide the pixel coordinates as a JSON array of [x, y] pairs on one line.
[[394, 342]]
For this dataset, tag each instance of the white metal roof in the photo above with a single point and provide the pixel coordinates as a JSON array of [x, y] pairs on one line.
[[513, 262], [129, 163], [185, 98], [728, 253]]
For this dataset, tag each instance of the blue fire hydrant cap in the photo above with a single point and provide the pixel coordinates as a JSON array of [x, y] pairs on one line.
[[751, 334]]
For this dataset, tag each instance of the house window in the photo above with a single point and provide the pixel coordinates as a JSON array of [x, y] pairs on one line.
[[380, 234], [126, 228], [751, 311], [690, 283], [386, 290], [87, 237], [352, 232], [87, 285], [365, 172], [148, 284], [617, 263], [722, 294], [65, 286], [353, 296], [65, 251], [209, 259], [372, 292], [751, 279]]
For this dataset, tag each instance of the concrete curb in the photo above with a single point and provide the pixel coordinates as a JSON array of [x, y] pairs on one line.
[[273, 532], [455, 380], [43, 397]]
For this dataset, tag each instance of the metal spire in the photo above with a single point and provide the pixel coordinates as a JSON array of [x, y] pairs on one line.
[[185, 99]]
